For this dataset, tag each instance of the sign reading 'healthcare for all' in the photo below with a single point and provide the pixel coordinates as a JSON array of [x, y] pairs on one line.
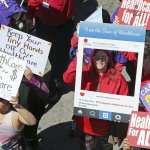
[[135, 12], [139, 130]]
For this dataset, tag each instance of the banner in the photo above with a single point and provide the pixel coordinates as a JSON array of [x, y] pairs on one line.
[[112, 95], [11, 73], [135, 12], [26, 47], [139, 130]]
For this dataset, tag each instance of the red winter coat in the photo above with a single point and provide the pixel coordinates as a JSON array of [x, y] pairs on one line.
[[111, 82], [58, 13]]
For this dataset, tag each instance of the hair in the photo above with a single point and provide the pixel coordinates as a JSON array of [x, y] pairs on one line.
[[5, 101], [21, 22], [110, 67], [109, 54], [1, 99]]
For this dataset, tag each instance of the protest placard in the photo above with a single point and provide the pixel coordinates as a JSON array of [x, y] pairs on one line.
[[108, 97], [96, 16], [11, 73], [134, 12], [145, 96], [26, 47], [139, 130]]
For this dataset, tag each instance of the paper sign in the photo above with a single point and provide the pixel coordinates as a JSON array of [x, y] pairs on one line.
[[108, 96], [11, 73], [135, 12], [139, 130], [48, 67], [145, 96], [96, 16], [26, 47]]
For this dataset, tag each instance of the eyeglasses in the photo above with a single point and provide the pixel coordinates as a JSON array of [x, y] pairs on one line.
[[100, 57]]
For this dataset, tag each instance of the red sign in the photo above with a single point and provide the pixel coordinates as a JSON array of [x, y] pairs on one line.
[[139, 130], [134, 12]]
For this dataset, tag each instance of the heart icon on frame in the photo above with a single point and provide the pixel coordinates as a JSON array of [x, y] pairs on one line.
[[82, 94]]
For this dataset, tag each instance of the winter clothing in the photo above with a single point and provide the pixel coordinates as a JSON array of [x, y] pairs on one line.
[[111, 82], [56, 13], [8, 9]]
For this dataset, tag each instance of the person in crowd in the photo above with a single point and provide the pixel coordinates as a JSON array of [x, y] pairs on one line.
[[7, 9], [125, 61], [125, 144], [39, 89], [54, 23], [13, 117], [99, 75], [74, 38], [14, 15], [145, 79]]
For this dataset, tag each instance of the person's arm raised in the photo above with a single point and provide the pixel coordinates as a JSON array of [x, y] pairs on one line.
[[24, 116]]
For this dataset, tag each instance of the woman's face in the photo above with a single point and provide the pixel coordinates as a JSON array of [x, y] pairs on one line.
[[101, 60]]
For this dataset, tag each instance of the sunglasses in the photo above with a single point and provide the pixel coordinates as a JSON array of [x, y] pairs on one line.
[[100, 57]]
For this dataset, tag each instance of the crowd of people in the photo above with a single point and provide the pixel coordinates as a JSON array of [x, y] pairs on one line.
[[54, 21]]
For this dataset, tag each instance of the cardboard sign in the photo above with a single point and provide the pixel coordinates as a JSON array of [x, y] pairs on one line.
[[139, 130], [11, 73], [135, 12], [145, 96], [100, 97], [26, 47], [96, 16]]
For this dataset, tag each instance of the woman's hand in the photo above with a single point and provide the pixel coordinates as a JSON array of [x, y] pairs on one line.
[[28, 74], [15, 101], [24, 116], [126, 145]]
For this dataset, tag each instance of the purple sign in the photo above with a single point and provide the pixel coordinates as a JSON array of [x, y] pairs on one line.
[[145, 96]]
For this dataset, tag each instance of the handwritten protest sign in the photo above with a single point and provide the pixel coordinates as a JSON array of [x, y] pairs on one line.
[[101, 97], [145, 96], [139, 130], [135, 12], [11, 72], [26, 47]]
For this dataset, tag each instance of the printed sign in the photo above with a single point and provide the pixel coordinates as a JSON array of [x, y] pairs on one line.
[[96, 16], [139, 130], [145, 96], [26, 47], [134, 12], [11, 73], [101, 84]]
